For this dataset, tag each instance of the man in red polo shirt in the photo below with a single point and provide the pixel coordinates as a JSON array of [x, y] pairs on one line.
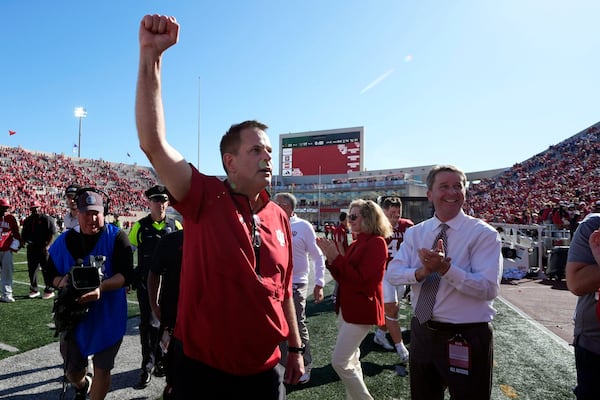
[[235, 302]]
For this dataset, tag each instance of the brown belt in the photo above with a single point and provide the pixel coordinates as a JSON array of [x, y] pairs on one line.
[[445, 326]]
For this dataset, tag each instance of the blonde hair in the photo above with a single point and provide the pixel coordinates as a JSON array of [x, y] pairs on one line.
[[373, 220]]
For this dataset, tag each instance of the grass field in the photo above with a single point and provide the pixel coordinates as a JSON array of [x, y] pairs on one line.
[[27, 323], [529, 364]]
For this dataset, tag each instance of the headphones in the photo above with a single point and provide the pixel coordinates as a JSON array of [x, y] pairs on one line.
[[100, 192]]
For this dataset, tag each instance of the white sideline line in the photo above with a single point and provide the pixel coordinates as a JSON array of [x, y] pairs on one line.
[[27, 284], [5, 347], [11, 349], [563, 343]]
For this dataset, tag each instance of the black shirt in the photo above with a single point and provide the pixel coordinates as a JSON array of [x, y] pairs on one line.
[[167, 263]]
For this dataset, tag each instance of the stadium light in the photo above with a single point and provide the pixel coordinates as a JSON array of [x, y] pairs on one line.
[[80, 113]]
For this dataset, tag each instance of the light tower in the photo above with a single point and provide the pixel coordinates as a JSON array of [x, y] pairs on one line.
[[80, 113]]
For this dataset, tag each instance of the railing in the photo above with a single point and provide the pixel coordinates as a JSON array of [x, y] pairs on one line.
[[528, 237]]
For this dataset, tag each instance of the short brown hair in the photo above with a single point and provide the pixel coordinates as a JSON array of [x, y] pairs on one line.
[[230, 142], [444, 168], [390, 201]]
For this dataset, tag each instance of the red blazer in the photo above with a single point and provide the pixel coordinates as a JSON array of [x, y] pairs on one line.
[[359, 274]]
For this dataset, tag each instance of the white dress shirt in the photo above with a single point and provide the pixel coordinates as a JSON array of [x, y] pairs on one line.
[[467, 291], [304, 247]]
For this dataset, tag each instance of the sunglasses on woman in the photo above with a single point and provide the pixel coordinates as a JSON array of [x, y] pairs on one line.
[[353, 217]]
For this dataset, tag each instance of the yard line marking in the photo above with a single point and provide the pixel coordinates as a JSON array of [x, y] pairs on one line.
[[4, 346]]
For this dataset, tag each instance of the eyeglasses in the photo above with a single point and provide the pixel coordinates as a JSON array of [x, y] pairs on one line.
[[353, 217]]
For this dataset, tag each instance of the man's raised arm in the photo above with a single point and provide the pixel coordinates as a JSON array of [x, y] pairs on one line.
[[157, 34]]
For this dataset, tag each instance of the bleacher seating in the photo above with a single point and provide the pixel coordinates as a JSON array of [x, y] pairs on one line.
[[31, 175], [566, 174]]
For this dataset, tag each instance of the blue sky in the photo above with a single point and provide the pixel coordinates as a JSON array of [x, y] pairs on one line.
[[480, 84]]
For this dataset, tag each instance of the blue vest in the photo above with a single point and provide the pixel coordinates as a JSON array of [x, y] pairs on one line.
[[106, 322]]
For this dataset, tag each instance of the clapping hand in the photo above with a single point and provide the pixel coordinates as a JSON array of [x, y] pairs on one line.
[[329, 248], [434, 260]]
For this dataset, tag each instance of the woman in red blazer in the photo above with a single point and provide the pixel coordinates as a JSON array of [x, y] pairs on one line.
[[359, 273]]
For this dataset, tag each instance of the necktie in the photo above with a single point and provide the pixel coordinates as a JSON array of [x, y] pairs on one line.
[[429, 289]]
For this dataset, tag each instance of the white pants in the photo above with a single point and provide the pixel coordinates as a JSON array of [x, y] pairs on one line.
[[346, 358], [6, 272]]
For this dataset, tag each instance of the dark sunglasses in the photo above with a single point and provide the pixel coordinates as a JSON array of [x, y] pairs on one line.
[[353, 217]]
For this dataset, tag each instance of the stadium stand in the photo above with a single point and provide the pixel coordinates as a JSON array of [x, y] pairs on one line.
[[566, 174], [31, 175]]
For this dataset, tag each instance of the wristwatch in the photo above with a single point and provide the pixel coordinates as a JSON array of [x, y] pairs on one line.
[[300, 350]]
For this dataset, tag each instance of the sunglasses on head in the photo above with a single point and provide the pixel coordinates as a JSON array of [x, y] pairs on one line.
[[353, 217]]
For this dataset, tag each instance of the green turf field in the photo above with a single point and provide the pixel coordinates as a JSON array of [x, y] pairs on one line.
[[529, 364], [27, 323]]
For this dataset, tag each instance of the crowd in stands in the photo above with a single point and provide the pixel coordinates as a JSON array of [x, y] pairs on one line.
[[558, 186], [28, 175]]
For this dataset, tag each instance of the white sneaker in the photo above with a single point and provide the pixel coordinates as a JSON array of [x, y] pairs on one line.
[[381, 339], [7, 299], [402, 352], [306, 376]]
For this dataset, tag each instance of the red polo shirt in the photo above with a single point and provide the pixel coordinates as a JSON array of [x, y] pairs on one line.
[[229, 317]]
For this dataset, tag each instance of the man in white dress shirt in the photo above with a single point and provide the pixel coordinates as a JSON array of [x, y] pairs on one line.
[[451, 343]]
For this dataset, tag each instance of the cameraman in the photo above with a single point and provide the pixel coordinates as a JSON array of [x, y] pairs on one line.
[[102, 328]]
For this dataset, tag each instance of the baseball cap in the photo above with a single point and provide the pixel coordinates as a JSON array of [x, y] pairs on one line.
[[90, 201], [158, 192], [35, 204]]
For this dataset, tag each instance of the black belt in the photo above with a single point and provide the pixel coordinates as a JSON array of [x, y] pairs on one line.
[[445, 326]]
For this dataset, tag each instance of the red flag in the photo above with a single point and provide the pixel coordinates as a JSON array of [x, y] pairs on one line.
[[11, 132]]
